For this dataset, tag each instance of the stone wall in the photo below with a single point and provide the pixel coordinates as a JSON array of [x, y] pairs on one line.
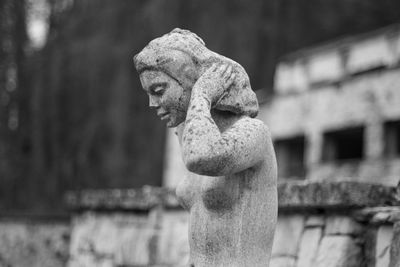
[[128, 228], [320, 224], [33, 242]]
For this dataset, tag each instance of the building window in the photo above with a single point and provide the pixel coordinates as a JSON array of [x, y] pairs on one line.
[[343, 145], [290, 157], [392, 138]]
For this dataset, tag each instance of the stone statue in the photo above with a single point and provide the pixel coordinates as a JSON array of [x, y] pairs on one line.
[[230, 189]]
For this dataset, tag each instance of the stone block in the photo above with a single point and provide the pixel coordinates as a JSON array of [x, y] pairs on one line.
[[173, 245], [342, 225], [287, 235], [333, 195], [338, 251], [395, 42], [27, 243], [315, 221], [382, 250], [145, 198], [282, 262], [309, 246], [326, 67], [112, 238], [136, 246], [369, 54], [395, 246], [291, 77]]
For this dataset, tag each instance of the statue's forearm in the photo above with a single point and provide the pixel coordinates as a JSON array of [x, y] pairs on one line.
[[201, 141]]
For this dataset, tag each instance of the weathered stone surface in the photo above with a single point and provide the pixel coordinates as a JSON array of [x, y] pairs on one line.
[[309, 246], [384, 237], [395, 246], [378, 215], [173, 243], [291, 78], [296, 194], [332, 195], [287, 235], [111, 239], [230, 188], [31, 243], [282, 262], [371, 53], [342, 225], [144, 198], [325, 67], [338, 251], [315, 221]]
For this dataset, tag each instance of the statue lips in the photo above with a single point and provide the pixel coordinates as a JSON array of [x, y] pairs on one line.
[[163, 116]]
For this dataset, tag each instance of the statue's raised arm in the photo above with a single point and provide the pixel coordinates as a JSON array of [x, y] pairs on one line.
[[230, 189]]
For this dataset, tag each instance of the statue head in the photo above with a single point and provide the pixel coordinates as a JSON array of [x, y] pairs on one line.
[[177, 60]]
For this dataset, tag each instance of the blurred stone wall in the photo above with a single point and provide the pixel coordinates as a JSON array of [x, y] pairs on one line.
[[31, 242], [320, 224]]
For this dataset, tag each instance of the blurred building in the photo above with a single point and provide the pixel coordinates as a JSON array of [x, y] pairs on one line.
[[336, 110]]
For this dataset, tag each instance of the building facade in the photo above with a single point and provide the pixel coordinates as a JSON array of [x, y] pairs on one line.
[[336, 110]]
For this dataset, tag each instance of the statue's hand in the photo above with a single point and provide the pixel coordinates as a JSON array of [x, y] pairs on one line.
[[214, 81]]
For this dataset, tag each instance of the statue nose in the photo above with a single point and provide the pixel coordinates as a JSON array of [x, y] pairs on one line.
[[153, 103]]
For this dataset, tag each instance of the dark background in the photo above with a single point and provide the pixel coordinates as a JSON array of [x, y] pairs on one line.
[[72, 113]]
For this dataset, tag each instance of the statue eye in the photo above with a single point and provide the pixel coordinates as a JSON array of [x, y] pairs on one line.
[[158, 89]]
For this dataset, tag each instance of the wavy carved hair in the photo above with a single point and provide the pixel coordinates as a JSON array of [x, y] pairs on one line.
[[183, 55]]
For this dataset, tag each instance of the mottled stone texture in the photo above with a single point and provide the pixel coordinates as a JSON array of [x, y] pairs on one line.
[[287, 236], [143, 199], [129, 239], [314, 194], [303, 195], [342, 225], [309, 246], [230, 188], [395, 246], [33, 243], [337, 251], [384, 238], [155, 234]]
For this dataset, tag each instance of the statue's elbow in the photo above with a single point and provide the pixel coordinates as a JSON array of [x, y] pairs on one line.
[[210, 166]]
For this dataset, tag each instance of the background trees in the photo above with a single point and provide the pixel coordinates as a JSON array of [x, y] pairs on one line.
[[72, 114]]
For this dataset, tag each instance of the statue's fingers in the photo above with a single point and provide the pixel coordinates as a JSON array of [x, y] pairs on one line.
[[230, 80], [228, 71], [214, 67], [211, 68], [222, 69]]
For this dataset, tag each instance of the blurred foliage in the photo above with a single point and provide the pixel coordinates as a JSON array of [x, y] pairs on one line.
[[72, 114]]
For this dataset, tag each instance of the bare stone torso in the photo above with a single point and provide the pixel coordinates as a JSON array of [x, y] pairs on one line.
[[232, 218]]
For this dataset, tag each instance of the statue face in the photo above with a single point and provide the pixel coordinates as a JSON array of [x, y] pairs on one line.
[[166, 96]]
